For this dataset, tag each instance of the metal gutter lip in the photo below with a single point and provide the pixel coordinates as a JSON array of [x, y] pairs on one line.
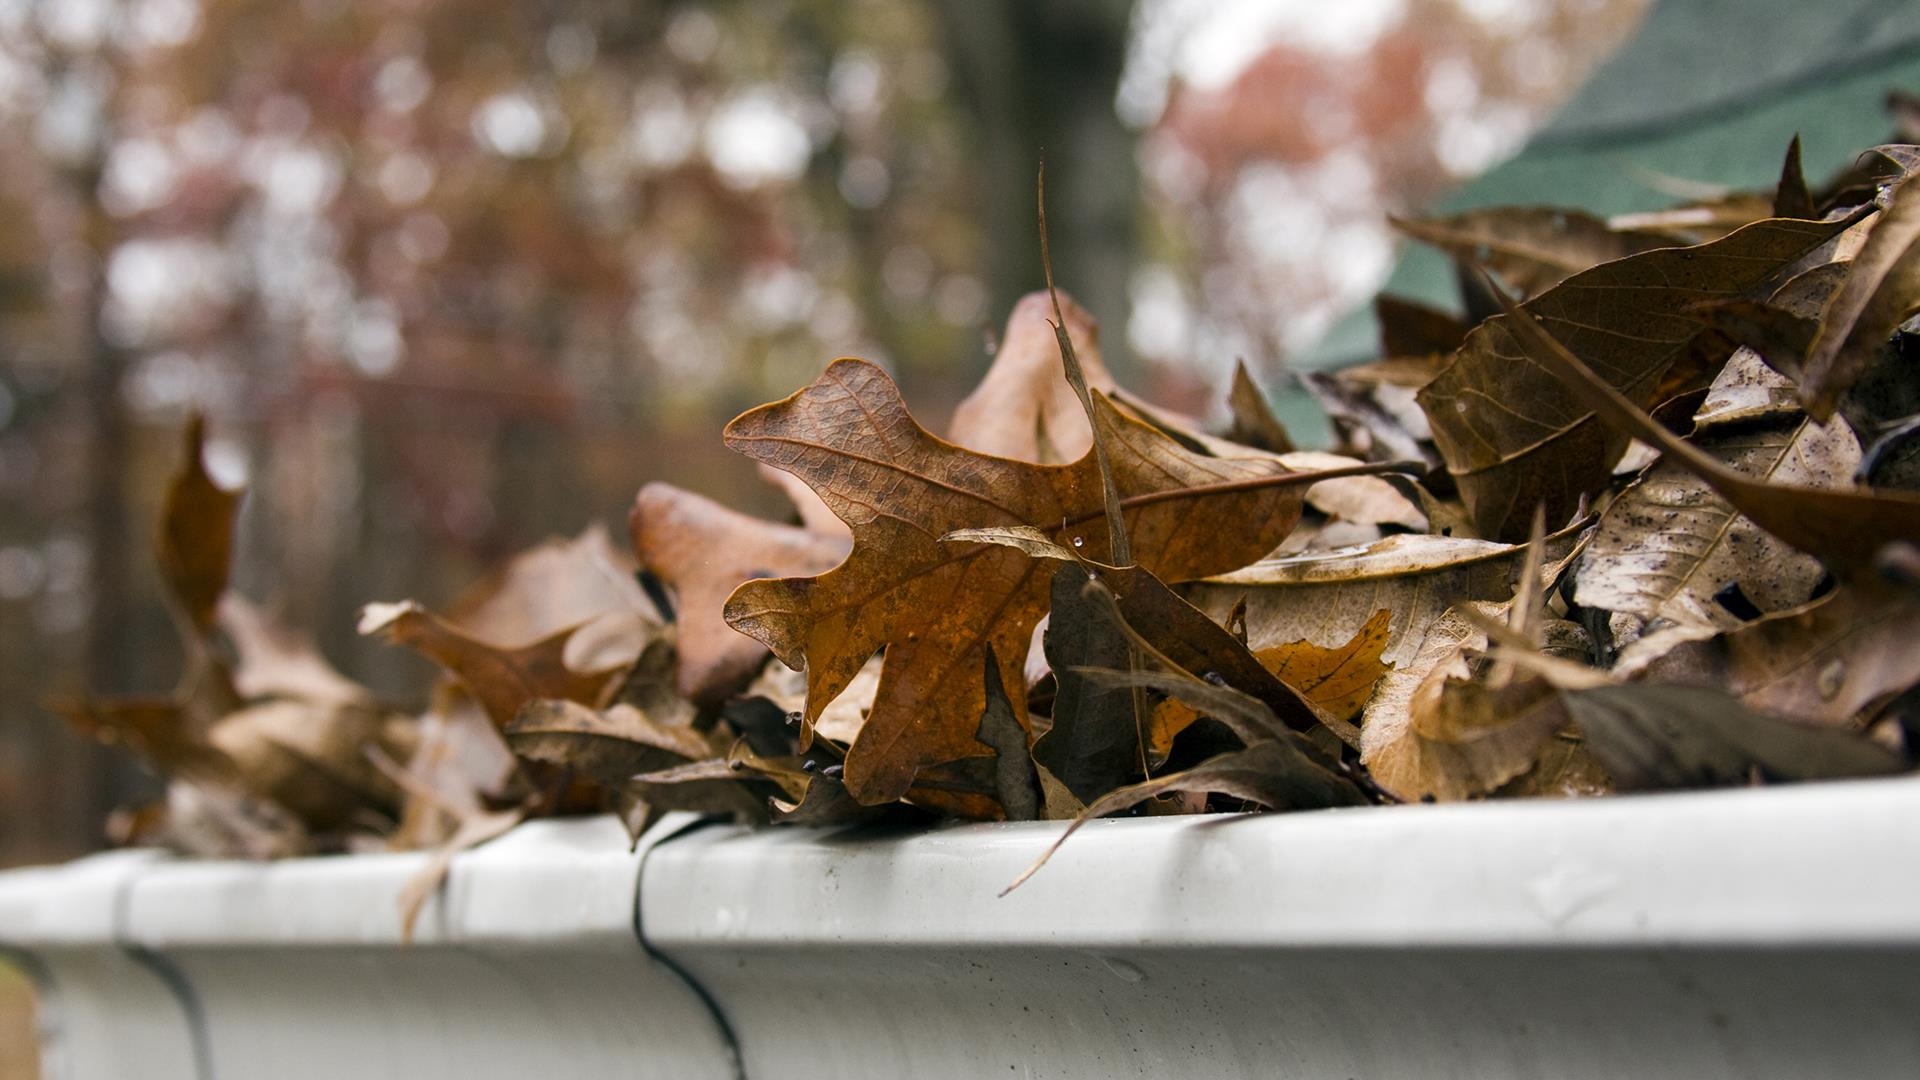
[[1830, 864]]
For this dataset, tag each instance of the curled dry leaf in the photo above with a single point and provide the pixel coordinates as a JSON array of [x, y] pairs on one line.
[[1325, 598], [1275, 774], [1669, 545], [1651, 737], [310, 757], [274, 662], [714, 786], [157, 730], [704, 551], [1533, 248], [1362, 500], [196, 533], [1846, 528], [1024, 408], [1253, 422], [1514, 437], [1409, 328], [1832, 662], [1432, 731], [502, 679], [585, 582], [611, 745], [936, 607], [1338, 680], [1881, 291], [1367, 419], [842, 717]]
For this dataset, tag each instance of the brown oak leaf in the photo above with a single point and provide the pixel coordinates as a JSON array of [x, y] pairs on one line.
[[936, 607]]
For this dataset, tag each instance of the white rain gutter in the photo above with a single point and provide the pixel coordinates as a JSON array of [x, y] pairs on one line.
[[1744, 934]]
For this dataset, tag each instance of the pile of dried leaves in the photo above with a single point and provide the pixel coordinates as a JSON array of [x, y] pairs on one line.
[[1651, 524]]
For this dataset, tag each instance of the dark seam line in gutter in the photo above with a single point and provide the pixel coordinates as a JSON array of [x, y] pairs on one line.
[[171, 977], [725, 1027]]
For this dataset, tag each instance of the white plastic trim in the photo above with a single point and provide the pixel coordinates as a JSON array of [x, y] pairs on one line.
[[1749, 934]]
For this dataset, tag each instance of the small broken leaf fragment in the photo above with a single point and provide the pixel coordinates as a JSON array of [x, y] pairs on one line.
[[1253, 421], [1016, 779]]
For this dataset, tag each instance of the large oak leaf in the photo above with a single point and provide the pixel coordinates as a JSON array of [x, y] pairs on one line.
[[937, 607], [1514, 437]]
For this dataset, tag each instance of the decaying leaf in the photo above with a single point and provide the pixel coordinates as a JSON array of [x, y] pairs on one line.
[[1881, 290], [1514, 437], [704, 551], [1023, 407], [1273, 774], [1338, 680], [196, 533], [1845, 527], [1095, 741], [1831, 662], [1688, 736], [1253, 421], [1419, 741], [1326, 597], [1669, 545], [1533, 248], [938, 606], [502, 679], [585, 583]]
